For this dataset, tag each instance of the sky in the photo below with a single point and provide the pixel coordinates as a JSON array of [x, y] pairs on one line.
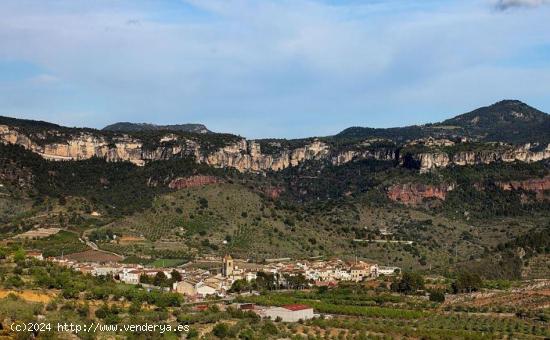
[[270, 68]]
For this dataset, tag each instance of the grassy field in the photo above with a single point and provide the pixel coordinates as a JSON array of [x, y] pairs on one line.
[[64, 242], [161, 263]]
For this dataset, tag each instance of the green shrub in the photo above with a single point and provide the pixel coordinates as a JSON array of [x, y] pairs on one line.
[[437, 296]]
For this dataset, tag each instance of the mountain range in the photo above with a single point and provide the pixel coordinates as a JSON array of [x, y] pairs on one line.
[[134, 127], [465, 139], [466, 190]]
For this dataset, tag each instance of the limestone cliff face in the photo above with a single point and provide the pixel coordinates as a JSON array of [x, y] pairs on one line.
[[430, 161], [413, 194], [247, 156], [384, 154], [85, 145], [243, 155], [183, 148], [12, 136]]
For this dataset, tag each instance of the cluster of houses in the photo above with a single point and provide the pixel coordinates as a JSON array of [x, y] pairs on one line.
[[197, 283]]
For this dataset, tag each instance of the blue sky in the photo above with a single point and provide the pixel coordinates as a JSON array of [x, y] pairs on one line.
[[270, 68]]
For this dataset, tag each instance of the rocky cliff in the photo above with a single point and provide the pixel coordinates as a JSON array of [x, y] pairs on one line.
[[86, 145], [540, 186], [246, 155], [413, 194], [432, 160], [382, 154], [243, 155]]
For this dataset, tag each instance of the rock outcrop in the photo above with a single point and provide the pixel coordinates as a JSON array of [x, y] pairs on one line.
[[193, 181], [413, 194], [85, 145], [429, 161], [433, 160], [540, 186], [382, 154], [273, 192], [247, 156], [243, 155]]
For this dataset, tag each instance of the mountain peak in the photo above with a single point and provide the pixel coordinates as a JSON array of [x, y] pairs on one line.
[[504, 112], [507, 102], [509, 120], [134, 127]]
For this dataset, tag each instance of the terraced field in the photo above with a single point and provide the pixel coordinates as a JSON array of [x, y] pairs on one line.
[[361, 313]]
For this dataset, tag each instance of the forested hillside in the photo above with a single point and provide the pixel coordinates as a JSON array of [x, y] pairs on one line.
[[365, 192]]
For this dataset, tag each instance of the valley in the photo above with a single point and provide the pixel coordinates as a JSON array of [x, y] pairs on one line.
[[455, 219]]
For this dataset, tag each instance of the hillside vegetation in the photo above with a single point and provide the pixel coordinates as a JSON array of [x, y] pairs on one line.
[[477, 216]]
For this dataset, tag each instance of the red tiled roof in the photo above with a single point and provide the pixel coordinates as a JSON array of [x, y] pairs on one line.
[[295, 308]]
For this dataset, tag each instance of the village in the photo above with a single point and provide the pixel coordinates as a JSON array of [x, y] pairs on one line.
[[227, 278]]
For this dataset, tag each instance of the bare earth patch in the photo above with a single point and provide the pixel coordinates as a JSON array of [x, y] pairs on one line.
[[28, 295], [94, 256], [534, 295]]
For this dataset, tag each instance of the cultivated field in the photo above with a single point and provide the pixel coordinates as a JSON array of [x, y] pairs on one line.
[[38, 233], [94, 256]]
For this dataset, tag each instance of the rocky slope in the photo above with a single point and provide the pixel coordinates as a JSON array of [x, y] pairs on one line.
[[193, 181], [413, 194], [540, 186]]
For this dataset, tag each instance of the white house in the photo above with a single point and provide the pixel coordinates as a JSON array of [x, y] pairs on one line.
[[186, 287], [289, 313], [130, 276], [104, 271], [249, 276], [204, 289], [342, 274], [388, 270], [363, 270]]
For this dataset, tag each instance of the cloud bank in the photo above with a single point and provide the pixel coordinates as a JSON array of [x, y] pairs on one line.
[[278, 68], [507, 4]]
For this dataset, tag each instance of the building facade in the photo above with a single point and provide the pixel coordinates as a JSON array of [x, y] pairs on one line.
[[228, 266], [289, 313]]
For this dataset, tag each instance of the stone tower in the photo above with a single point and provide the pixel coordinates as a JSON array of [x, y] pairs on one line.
[[228, 266]]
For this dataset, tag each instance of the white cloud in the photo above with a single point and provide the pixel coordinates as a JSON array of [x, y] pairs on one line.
[[507, 4], [278, 67], [44, 79]]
